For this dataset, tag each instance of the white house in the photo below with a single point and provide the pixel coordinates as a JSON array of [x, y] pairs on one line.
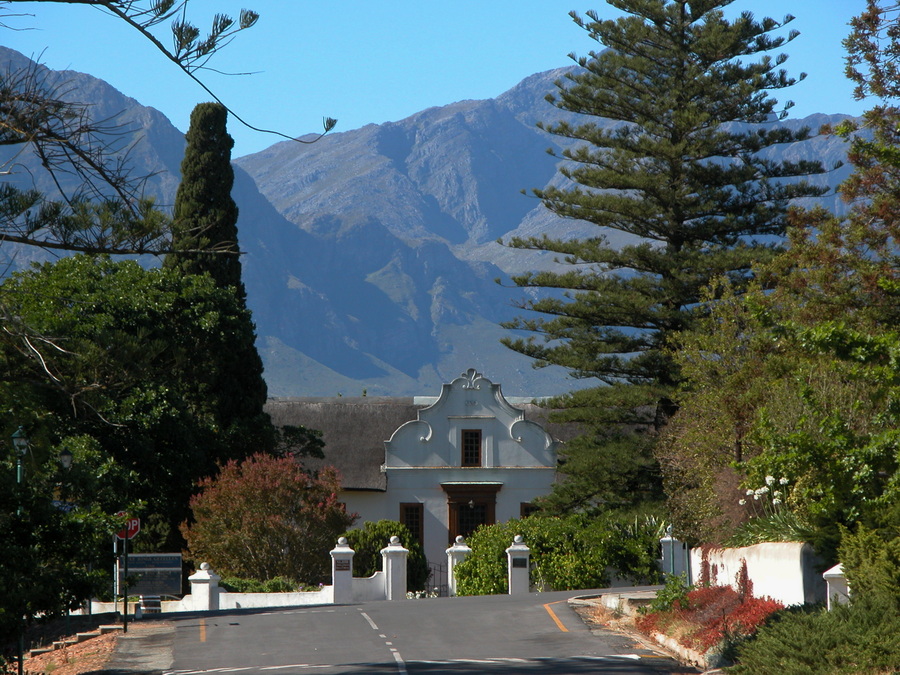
[[442, 466]]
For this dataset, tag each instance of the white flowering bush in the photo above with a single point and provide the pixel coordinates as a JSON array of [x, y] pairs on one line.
[[768, 499], [771, 519], [418, 595]]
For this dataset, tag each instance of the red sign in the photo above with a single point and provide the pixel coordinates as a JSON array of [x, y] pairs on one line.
[[132, 526]]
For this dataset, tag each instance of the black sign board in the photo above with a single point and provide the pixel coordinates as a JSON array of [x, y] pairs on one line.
[[520, 562], [153, 574]]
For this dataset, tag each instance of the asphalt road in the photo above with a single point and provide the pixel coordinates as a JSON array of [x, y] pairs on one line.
[[537, 633]]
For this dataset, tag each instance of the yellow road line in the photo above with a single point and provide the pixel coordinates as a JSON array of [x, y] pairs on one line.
[[555, 618], [202, 630]]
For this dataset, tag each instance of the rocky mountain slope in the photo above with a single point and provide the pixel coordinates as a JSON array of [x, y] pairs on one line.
[[371, 255]]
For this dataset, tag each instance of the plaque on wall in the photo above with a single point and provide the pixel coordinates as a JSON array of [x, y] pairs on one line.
[[341, 565], [520, 562]]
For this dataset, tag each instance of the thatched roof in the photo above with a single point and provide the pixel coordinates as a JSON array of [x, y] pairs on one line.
[[355, 428]]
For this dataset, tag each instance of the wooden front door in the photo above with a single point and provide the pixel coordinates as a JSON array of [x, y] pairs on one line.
[[470, 506]]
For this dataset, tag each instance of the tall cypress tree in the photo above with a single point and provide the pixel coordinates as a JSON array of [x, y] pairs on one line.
[[672, 152], [204, 238], [205, 218]]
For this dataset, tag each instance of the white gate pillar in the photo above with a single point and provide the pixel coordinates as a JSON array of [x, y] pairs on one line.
[[204, 589], [342, 572], [393, 557], [675, 556], [519, 573], [455, 555], [838, 590]]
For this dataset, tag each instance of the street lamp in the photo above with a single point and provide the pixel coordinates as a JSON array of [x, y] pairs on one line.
[[65, 458], [20, 443]]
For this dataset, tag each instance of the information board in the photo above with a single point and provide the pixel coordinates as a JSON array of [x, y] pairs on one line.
[[153, 574]]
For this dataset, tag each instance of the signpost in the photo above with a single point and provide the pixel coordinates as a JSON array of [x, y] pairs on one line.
[[132, 527]]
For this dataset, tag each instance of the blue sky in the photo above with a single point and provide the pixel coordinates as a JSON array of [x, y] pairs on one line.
[[363, 61]]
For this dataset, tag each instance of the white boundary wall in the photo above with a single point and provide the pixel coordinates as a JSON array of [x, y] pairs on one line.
[[787, 572], [207, 596], [226, 600], [258, 600], [367, 589]]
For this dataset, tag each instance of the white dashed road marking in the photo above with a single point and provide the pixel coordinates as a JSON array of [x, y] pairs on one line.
[[401, 666], [369, 619]]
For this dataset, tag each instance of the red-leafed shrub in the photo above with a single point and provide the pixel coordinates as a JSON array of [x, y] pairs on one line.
[[704, 604], [752, 613], [742, 621], [656, 622], [266, 517], [707, 616]]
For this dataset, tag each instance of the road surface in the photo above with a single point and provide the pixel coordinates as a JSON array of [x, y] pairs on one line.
[[536, 633]]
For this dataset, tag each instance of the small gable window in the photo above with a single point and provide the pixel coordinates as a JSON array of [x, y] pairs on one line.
[[471, 447]]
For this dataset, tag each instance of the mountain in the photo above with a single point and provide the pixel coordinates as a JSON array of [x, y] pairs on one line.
[[371, 255], [399, 225], [151, 143]]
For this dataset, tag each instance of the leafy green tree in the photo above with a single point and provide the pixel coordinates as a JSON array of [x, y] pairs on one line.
[[46, 568], [266, 517], [368, 541], [675, 158], [108, 388], [791, 380], [133, 373], [798, 376]]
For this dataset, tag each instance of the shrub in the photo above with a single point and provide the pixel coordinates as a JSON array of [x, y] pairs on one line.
[[781, 526], [860, 638], [559, 558], [675, 590], [368, 541], [568, 553], [631, 544], [725, 618], [770, 517], [483, 572], [266, 517], [706, 617], [871, 563]]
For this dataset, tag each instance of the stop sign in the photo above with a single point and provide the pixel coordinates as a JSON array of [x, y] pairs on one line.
[[132, 526]]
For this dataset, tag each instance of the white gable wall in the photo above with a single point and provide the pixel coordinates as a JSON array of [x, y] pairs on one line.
[[423, 463]]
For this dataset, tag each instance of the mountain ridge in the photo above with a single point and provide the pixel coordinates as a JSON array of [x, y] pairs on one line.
[[371, 255]]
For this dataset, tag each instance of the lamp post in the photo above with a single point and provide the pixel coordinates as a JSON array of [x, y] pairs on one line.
[[65, 461], [20, 444], [65, 458]]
